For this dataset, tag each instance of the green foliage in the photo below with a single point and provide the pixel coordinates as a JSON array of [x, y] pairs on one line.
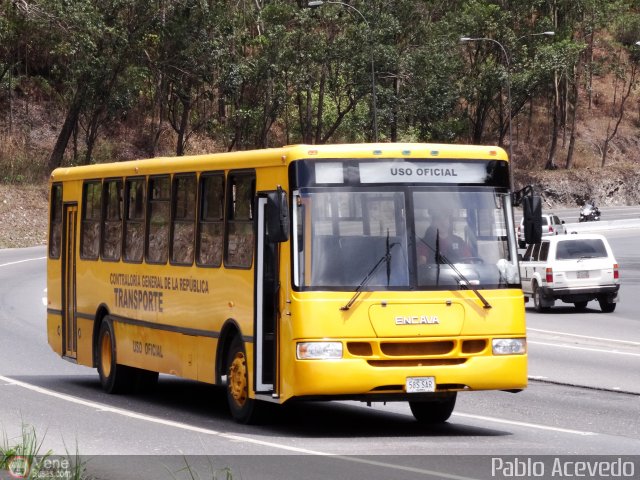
[[248, 73], [26, 452]]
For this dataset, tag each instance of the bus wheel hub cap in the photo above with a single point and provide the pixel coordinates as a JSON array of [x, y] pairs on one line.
[[238, 379], [105, 351]]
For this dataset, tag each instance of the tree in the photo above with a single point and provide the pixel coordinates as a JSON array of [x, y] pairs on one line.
[[485, 88], [617, 111], [93, 42]]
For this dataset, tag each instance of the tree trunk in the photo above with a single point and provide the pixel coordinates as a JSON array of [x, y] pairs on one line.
[[394, 109], [320, 111], [70, 121], [184, 124], [623, 101], [551, 161], [576, 101], [530, 122], [157, 115]]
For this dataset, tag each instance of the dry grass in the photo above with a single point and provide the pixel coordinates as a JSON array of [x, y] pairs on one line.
[[23, 215], [19, 162]]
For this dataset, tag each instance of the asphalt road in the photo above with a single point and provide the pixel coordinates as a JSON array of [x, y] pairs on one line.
[[583, 399]]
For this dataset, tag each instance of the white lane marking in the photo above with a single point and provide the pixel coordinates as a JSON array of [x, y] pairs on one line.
[[524, 424], [573, 347], [170, 423], [22, 261], [583, 336]]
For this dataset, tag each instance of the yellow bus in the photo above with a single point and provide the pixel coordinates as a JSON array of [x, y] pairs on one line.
[[372, 272]]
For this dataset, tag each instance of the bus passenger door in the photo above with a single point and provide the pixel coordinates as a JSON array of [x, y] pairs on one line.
[[266, 305], [69, 248]]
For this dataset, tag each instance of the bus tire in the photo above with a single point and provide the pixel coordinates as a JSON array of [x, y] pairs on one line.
[[114, 378], [243, 409], [438, 410]]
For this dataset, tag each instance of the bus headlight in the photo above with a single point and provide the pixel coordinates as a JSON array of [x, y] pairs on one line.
[[509, 346], [319, 350]]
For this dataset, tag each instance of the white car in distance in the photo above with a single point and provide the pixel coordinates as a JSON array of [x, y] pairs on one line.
[[551, 225]]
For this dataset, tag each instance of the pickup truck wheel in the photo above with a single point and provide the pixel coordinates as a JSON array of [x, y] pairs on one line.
[[606, 306], [537, 299]]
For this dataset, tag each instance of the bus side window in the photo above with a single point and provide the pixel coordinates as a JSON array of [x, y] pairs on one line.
[[55, 221], [239, 231], [159, 209], [134, 219], [112, 225], [211, 220], [91, 220], [183, 226]]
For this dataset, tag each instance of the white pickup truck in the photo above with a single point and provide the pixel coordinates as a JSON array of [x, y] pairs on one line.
[[574, 268]]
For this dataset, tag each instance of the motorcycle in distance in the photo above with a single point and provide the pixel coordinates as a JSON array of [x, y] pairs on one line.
[[589, 213]]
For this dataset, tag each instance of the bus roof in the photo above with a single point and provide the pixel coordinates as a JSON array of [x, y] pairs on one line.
[[271, 157]]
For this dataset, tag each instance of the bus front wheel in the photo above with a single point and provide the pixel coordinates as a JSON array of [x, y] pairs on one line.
[[433, 411], [243, 409], [114, 378]]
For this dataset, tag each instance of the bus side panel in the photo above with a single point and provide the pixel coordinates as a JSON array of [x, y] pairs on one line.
[[156, 350], [54, 306], [206, 349], [85, 344], [87, 290]]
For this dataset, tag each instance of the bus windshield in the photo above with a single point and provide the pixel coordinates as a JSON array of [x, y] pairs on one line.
[[403, 238]]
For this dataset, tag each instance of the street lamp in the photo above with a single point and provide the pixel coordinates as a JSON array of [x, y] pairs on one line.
[[319, 3], [508, 84]]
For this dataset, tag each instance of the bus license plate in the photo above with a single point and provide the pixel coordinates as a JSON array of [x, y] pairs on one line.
[[421, 384], [583, 274]]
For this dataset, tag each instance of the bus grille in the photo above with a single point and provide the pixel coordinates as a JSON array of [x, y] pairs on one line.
[[389, 352], [416, 349], [419, 362]]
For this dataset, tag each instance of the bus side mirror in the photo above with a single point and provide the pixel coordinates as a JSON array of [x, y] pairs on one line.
[[532, 213], [277, 224]]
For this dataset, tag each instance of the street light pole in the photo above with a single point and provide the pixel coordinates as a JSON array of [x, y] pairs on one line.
[[374, 114], [508, 84]]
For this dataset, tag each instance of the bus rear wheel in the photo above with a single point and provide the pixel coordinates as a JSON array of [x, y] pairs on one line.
[[434, 411], [114, 378], [243, 409]]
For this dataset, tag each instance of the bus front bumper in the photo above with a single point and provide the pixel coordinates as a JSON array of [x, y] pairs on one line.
[[360, 379]]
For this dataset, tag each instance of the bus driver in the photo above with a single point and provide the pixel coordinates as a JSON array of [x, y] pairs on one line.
[[439, 237]]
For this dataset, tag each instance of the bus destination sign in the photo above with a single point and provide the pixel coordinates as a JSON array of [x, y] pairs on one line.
[[423, 172]]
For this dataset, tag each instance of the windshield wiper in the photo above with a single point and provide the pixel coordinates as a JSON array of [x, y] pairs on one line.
[[465, 283], [385, 258]]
